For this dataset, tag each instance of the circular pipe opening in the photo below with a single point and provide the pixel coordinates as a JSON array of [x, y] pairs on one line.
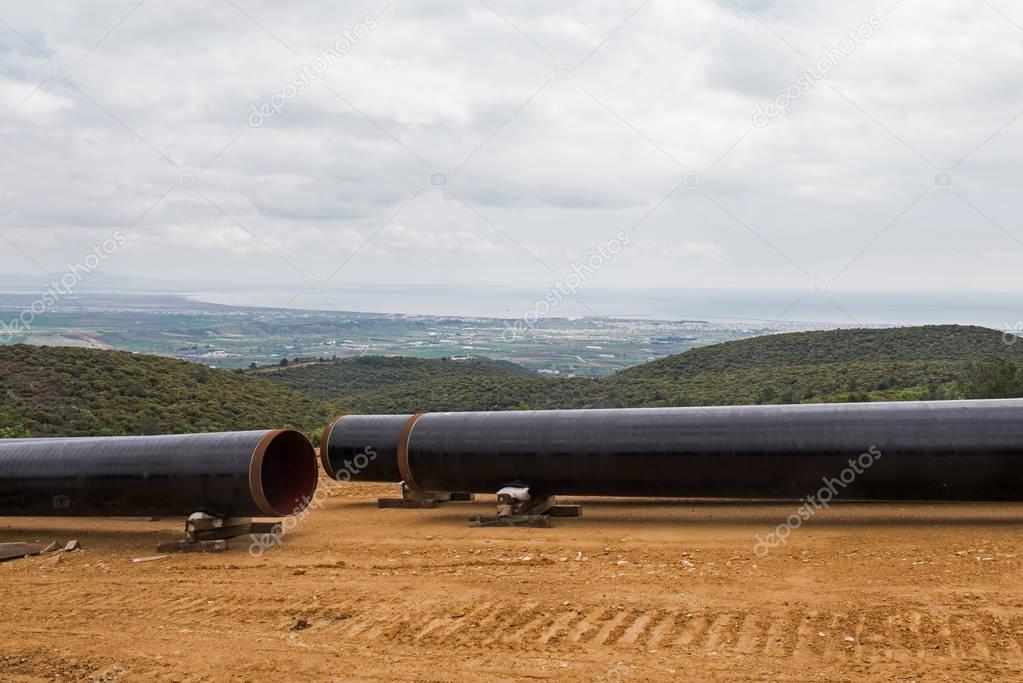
[[284, 473]]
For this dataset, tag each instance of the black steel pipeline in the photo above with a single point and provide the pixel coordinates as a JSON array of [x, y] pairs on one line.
[[363, 447], [231, 474], [938, 450]]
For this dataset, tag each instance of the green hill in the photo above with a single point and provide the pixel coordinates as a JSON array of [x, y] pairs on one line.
[[66, 392], [930, 362], [81, 392], [891, 345], [904, 363], [476, 393], [347, 376]]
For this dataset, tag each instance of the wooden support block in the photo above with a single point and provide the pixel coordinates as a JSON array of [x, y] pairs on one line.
[[565, 511], [14, 551], [412, 500], [211, 523], [215, 546], [406, 503], [204, 534], [222, 532], [535, 521], [438, 496], [515, 510]]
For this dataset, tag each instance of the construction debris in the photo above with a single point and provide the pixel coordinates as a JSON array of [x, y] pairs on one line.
[[14, 551]]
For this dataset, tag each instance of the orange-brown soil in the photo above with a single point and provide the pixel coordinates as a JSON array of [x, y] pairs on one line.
[[631, 591]]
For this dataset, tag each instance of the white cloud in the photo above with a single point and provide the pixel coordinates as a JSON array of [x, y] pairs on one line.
[[29, 103], [402, 238], [535, 164], [699, 249]]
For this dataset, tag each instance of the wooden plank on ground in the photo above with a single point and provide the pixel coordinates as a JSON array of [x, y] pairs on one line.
[[536, 521], [13, 551]]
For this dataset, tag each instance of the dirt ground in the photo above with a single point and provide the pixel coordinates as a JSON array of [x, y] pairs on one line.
[[632, 591]]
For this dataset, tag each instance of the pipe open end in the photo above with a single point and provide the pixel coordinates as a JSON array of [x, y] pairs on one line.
[[283, 473]]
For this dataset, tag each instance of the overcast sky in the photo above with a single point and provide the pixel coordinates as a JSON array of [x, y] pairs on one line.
[[501, 142]]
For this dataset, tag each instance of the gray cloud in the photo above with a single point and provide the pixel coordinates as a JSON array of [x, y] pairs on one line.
[[557, 126]]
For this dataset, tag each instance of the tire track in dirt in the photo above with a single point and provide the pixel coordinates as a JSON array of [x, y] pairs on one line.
[[865, 636], [870, 635]]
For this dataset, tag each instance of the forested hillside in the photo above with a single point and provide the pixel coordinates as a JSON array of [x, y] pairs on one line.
[[911, 363], [82, 392], [67, 392], [890, 345], [347, 376]]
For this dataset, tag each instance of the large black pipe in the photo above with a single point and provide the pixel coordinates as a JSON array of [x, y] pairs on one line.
[[232, 474], [363, 447], [940, 450]]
